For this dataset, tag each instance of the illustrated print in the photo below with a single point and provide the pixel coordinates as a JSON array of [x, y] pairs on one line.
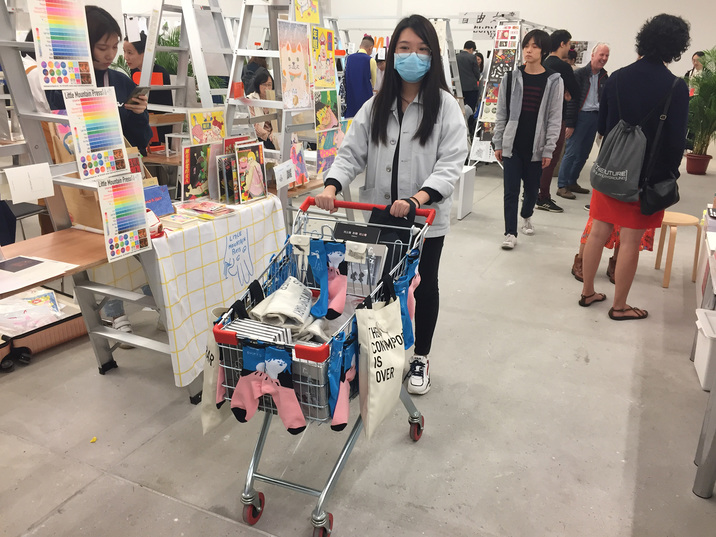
[[326, 109], [324, 71], [294, 52], [307, 11], [299, 164], [206, 125]]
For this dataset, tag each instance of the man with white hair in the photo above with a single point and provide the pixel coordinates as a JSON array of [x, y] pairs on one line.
[[580, 119]]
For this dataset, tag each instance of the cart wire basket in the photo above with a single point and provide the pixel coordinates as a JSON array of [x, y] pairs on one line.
[[310, 361]]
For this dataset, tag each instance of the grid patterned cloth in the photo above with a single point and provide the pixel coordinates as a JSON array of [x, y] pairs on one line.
[[204, 267]]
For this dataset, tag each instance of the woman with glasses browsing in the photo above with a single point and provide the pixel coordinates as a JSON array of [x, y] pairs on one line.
[[411, 141]]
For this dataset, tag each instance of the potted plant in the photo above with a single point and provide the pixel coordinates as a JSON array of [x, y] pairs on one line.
[[702, 114]]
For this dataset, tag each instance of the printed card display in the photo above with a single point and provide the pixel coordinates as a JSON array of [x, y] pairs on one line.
[[195, 171], [307, 11], [206, 125], [295, 55], [299, 164], [252, 172], [97, 131], [324, 64], [121, 201], [326, 108], [59, 29], [284, 174]]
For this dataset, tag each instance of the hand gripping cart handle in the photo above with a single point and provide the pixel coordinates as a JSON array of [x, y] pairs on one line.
[[311, 363]]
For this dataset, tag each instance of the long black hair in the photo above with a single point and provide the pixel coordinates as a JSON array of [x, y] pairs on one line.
[[430, 86]]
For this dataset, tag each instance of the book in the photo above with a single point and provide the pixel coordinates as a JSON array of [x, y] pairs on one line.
[[195, 171], [178, 221], [252, 172], [158, 200]]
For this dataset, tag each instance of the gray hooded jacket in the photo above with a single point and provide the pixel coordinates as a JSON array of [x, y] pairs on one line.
[[549, 117]]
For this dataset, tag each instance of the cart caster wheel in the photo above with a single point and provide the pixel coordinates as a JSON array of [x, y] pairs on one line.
[[416, 429], [251, 514], [323, 531]]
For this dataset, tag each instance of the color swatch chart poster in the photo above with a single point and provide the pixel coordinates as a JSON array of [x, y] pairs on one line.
[[97, 131], [121, 200], [59, 29]]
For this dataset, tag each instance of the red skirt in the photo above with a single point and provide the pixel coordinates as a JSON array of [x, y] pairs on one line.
[[622, 213]]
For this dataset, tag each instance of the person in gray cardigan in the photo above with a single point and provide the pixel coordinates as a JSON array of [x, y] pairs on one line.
[[529, 118]]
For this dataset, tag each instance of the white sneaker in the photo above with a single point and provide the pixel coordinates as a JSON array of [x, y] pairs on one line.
[[527, 227], [122, 324], [419, 377], [509, 243]]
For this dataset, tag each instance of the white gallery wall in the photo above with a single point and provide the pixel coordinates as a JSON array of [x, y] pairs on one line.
[[613, 21]]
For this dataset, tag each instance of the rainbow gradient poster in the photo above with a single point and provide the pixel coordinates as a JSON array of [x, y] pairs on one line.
[[59, 29], [121, 201], [97, 131]]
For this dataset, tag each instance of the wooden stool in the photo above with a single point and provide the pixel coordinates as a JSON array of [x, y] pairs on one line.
[[673, 221]]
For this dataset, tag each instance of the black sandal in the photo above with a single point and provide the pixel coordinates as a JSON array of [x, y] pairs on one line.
[[583, 301], [640, 314]]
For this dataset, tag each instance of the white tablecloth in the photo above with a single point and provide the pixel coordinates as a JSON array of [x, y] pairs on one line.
[[201, 268]]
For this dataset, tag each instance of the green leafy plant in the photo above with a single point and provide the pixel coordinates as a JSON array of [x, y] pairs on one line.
[[169, 60], [702, 107]]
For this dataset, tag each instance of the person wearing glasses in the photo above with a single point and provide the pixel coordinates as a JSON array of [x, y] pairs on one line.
[[411, 141]]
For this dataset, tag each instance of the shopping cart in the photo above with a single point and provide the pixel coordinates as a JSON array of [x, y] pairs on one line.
[[310, 361]]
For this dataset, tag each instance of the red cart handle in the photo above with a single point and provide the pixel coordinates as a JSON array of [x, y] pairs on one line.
[[310, 201]]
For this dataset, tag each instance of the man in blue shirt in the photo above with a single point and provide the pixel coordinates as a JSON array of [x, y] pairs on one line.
[[581, 122], [360, 76]]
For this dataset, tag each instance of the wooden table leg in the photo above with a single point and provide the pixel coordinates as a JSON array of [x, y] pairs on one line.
[[660, 250], [696, 252], [669, 256]]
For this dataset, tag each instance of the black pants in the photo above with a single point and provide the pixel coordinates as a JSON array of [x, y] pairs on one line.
[[427, 295], [471, 98]]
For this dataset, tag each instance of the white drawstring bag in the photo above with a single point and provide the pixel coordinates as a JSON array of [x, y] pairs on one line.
[[382, 356]]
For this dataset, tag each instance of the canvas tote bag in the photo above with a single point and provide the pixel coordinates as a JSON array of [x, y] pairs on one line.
[[212, 414], [382, 356]]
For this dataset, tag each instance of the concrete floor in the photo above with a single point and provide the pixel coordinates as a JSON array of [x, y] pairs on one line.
[[545, 419]]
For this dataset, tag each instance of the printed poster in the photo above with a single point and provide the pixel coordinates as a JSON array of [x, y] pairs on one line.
[[502, 62], [195, 171], [324, 64], [121, 201], [295, 55], [307, 11], [97, 131], [62, 49], [326, 109], [485, 22], [299, 164], [228, 178], [206, 125], [252, 172]]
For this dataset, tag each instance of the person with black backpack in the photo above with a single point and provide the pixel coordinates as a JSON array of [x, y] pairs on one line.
[[646, 96]]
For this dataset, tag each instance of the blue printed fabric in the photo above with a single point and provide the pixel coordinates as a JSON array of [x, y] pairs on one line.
[[401, 291], [319, 266], [335, 366]]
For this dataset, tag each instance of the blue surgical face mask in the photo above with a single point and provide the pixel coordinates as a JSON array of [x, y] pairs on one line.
[[411, 67]]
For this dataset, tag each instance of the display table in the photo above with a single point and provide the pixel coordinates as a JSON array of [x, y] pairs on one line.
[[193, 270], [80, 248]]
